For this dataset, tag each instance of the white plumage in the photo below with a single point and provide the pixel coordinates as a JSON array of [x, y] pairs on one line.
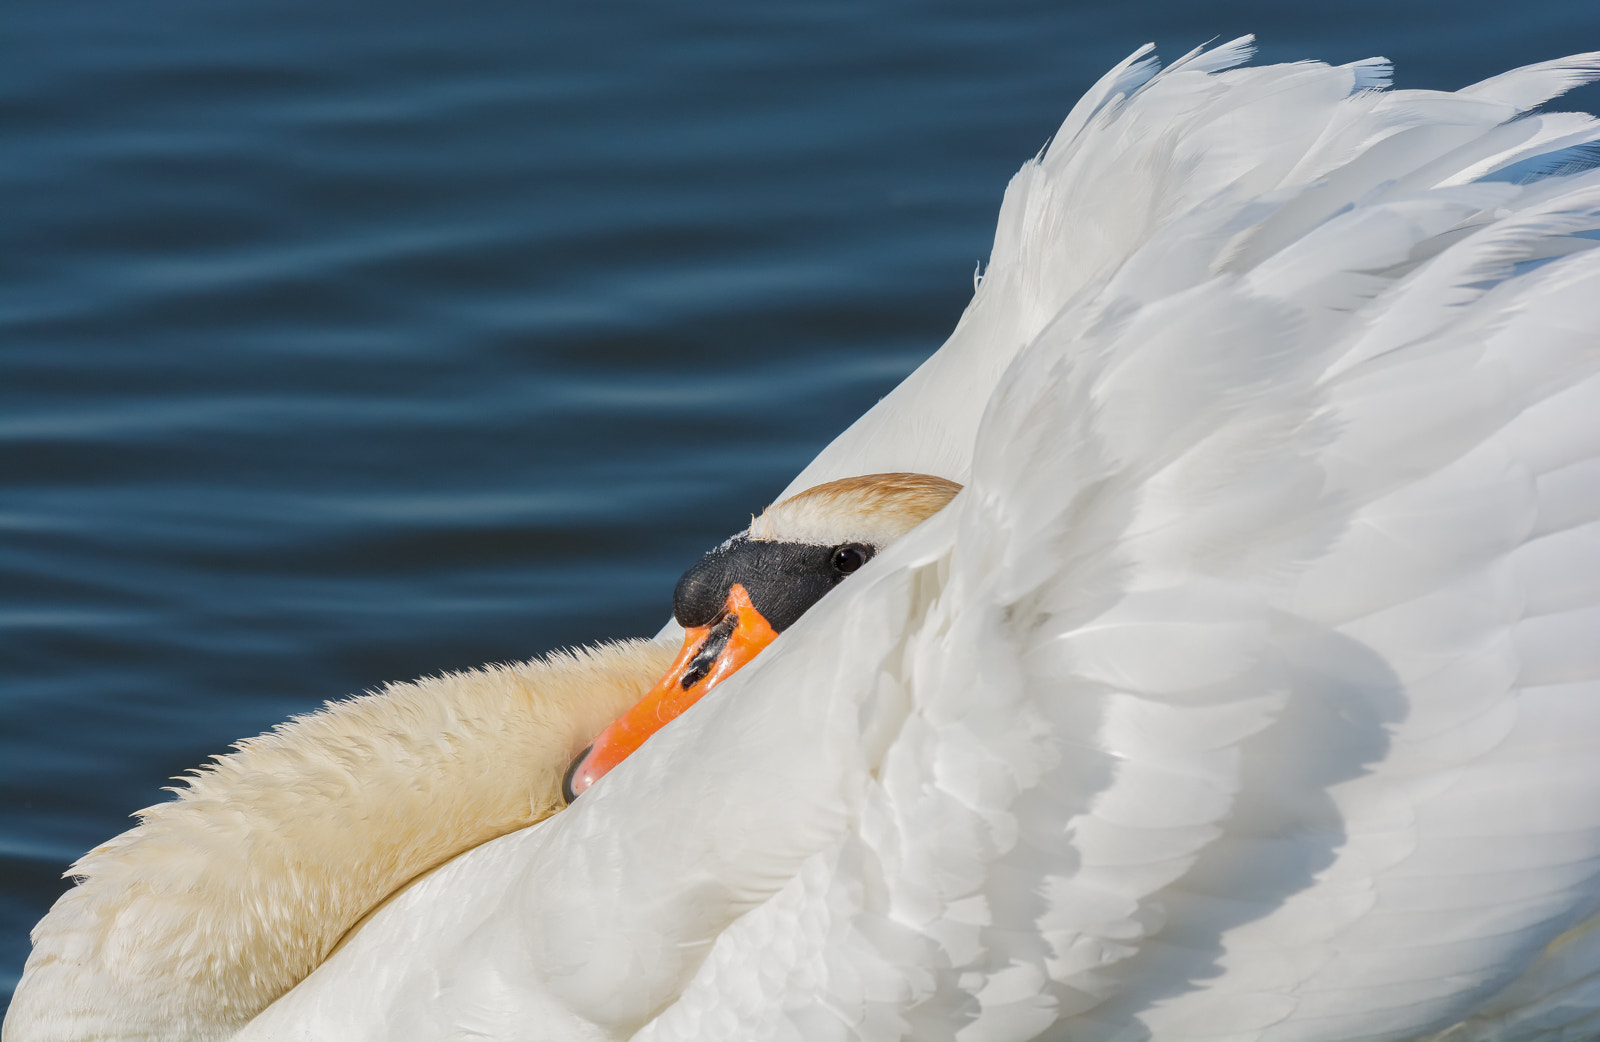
[[1250, 690]]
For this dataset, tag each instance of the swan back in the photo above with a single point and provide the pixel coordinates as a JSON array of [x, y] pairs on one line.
[[1247, 691]]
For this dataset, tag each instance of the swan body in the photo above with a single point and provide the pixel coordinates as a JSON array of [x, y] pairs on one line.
[[1250, 690]]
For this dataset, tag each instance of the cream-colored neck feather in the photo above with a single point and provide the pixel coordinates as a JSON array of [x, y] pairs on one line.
[[221, 900]]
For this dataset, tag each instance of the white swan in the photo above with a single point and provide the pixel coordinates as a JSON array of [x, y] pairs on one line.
[[1250, 690]]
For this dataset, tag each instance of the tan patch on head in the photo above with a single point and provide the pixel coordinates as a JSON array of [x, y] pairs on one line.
[[876, 509]]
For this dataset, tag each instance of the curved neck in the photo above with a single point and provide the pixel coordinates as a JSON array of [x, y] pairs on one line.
[[223, 899]]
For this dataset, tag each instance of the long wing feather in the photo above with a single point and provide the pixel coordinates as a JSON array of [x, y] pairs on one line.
[[1269, 646], [1248, 691]]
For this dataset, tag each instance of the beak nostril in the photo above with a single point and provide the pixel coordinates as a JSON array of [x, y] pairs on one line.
[[709, 655], [711, 649]]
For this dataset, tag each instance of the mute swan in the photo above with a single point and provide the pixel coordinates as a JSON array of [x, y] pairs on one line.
[[1249, 690]]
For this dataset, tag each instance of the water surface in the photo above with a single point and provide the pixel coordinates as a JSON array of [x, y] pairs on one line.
[[344, 343]]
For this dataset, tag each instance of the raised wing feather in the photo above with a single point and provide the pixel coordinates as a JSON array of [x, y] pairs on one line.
[[1249, 691], [1249, 636]]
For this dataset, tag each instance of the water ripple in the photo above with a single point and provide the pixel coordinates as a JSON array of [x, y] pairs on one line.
[[342, 349]]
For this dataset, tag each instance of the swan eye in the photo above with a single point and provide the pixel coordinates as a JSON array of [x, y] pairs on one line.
[[849, 557]]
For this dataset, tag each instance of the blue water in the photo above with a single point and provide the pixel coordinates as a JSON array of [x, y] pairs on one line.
[[348, 342]]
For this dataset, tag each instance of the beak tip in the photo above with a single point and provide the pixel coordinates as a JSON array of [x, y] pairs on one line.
[[576, 780]]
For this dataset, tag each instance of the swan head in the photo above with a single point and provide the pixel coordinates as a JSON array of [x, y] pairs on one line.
[[740, 596]]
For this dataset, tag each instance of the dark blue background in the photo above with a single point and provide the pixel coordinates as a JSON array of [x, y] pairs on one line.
[[345, 342]]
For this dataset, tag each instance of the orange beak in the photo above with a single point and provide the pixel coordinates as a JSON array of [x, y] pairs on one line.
[[710, 655]]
